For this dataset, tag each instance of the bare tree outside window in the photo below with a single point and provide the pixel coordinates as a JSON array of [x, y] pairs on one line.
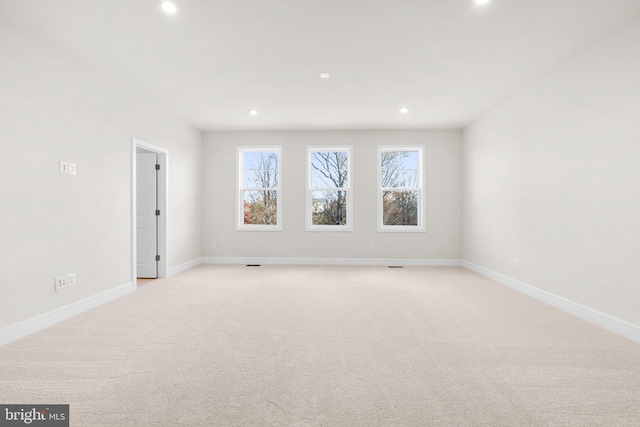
[[329, 175], [260, 187], [400, 185]]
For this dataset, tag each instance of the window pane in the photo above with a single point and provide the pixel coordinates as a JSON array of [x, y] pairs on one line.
[[329, 207], [399, 169], [260, 169], [329, 169], [400, 208], [260, 207]]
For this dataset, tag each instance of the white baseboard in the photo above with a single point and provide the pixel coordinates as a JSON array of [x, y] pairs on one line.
[[37, 323], [333, 261], [184, 267], [620, 327]]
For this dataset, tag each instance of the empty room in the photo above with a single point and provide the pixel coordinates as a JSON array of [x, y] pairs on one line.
[[320, 213]]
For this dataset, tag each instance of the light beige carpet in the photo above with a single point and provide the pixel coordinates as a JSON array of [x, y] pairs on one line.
[[327, 346]]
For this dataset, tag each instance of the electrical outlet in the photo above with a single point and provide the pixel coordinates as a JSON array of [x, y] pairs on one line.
[[64, 167], [61, 282], [516, 263], [371, 247], [72, 279], [72, 168], [213, 245]]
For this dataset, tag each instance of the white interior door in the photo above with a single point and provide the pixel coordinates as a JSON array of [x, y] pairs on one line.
[[147, 219]]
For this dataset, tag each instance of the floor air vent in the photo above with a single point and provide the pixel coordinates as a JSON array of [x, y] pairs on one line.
[[253, 265], [395, 266]]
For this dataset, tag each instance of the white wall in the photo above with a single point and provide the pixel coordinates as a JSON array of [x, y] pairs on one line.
[[56, 107], [442, 239], [552, 177]]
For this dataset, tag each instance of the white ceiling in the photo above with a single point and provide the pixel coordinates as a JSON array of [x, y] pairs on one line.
[[449, 61]]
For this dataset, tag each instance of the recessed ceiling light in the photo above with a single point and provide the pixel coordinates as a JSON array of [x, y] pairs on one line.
[[481, 2], [169, 6], [253, 112], [404, 110], [325, 75]]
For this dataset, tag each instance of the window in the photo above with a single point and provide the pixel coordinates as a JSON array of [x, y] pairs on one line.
[[329, 198], [400, 194], [259, 196]]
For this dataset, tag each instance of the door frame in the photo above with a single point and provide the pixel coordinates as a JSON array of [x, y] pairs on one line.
[[163, 196]]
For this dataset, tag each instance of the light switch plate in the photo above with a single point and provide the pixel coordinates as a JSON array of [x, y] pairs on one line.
[[64, 167]]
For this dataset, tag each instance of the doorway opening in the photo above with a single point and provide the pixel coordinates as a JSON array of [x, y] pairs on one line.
[[149, 211]]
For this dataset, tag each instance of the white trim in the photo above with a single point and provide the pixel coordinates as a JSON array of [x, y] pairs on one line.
[[334, 261], [43, 321], [163, 206], [615, 325], [420, 228], [240, 225], [184, 267], [309, 226]]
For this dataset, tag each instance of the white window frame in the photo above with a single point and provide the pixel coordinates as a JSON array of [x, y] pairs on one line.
[[348, 189], [240, 225], [402, 228]]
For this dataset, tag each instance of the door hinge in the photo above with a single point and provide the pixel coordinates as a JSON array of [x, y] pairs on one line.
[[157, 212], [157, 257], [157, 167]]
